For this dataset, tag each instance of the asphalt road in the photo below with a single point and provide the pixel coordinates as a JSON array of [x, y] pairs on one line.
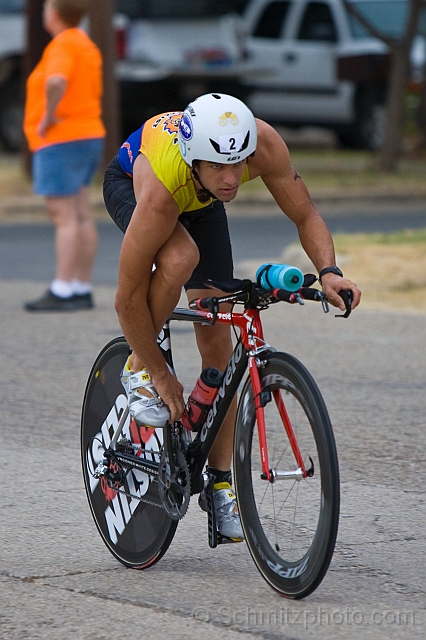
[[27, 250], [57, 579]]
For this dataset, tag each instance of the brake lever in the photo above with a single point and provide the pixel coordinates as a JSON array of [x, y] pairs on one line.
[[325, 305], [314, 294], [347, 297]]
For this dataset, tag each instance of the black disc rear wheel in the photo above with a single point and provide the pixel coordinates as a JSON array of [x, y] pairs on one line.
[[136, 530], [290, 525]]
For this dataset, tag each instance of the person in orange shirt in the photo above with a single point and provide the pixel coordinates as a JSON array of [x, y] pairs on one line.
[[64, 130]]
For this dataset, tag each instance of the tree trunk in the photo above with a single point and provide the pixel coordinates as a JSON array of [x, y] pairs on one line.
[[392, 146], [37, 39], [102, 33], [400, 66], [421, 110]]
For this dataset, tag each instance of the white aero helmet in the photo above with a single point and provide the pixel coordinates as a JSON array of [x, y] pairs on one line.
[[217, 128]]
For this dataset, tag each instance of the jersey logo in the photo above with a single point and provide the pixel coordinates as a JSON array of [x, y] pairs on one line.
[[171, 124], [127, 146]]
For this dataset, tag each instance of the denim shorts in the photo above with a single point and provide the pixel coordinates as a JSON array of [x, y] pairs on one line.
[[207, 226], [63, 169]]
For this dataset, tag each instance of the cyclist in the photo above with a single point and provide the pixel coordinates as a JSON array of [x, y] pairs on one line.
[[166, 190]]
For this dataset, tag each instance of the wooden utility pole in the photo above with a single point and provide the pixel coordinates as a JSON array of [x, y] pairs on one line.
[[102, 33], [390, 152], [36, 38]]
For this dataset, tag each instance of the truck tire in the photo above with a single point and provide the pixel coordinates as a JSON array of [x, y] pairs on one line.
[[368, 129], [12, 115]]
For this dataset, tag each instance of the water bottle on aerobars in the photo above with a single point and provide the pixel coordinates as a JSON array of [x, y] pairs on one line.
[[201, 398], [279, 276]]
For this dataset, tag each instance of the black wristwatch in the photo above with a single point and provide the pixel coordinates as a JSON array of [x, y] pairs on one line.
[[332, 269]]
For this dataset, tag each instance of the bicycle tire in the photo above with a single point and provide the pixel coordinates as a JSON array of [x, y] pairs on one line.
[[290, 526], [136, 533]]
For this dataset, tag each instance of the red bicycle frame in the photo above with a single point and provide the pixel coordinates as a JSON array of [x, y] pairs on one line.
[[251, 334]]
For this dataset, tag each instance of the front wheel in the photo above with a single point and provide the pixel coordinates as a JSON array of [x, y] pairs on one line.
[[290, 524], [132, 523]]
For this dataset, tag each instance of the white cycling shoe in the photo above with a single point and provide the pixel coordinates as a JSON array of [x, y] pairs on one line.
[[147, 410], [227, 516], [226, 509]]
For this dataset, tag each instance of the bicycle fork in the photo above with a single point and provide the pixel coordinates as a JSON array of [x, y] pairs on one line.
[[261, 398]]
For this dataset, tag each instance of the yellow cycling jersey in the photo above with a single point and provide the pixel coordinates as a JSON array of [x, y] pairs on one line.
[[159, 144]]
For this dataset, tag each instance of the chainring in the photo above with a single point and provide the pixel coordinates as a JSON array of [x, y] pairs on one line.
[[174, 485]]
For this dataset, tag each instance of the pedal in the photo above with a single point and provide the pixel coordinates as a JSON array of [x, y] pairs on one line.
[[215, 537], [224, 540]]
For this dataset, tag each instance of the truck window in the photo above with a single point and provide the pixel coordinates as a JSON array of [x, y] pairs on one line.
[[271, 21], [389, 16], [318, 23], [422, 23]]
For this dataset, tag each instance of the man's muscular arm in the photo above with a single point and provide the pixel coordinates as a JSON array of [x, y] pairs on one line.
[[272, 163]]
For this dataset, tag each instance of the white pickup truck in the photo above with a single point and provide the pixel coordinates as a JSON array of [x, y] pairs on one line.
[[325, 69], [170, 52]]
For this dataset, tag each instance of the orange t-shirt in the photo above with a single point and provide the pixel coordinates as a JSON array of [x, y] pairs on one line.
[[73, 56]]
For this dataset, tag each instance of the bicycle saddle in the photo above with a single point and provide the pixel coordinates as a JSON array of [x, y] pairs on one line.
[[229, 287]]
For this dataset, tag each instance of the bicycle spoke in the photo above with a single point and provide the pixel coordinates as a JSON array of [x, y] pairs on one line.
[[290, 521]]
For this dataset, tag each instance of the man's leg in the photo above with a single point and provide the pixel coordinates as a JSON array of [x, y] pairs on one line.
[[215, 347], [174, 264], [87, 238]]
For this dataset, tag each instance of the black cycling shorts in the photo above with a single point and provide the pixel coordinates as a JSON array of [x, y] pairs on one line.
[[207, 226]]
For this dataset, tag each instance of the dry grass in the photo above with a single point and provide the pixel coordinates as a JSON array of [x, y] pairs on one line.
[[390, 269], [352, 171], [13, 179], [321, 168]]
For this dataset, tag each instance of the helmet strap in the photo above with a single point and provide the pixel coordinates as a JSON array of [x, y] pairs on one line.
[[203, 194]]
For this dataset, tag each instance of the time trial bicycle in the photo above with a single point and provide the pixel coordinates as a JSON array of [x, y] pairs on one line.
[[139, 480]]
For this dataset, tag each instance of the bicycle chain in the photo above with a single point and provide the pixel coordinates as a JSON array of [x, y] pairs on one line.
[[140, 498], [135, 497]]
